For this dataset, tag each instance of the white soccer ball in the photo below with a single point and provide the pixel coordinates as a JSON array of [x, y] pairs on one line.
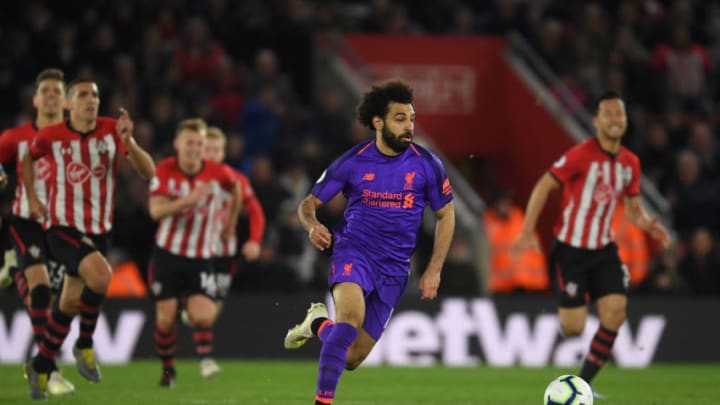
[[568, 390]]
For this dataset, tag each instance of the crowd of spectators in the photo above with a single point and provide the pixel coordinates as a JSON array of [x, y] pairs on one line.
[[245, 66]]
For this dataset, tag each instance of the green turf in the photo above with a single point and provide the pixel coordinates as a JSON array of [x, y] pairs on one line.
[[276, 382]]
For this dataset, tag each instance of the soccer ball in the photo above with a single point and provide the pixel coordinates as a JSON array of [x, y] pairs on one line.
[[568, 390]]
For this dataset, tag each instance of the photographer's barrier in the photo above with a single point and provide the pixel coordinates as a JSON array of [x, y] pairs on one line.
[[503, 331]]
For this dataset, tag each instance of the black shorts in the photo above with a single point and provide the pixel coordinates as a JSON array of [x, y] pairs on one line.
[[586, 272], [28, 241], [173, 276], [225, 271], [68, 246]]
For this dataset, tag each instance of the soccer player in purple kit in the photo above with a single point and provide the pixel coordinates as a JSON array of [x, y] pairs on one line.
[[387, 182]]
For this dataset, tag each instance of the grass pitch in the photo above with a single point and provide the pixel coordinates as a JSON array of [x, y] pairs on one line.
[[293, 382]]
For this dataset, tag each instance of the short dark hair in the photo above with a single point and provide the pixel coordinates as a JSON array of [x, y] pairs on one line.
[[50, 74], [375, 103], [608, 95], [77, 81]]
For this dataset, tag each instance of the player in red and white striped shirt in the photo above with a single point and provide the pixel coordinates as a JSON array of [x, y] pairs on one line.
[[226, 256], [594, 175], [186, 196], [83, 150], [37, 284]]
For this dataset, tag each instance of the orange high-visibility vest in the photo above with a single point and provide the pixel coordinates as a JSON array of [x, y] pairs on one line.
[[127, 282], [529, 272], [633, 246]]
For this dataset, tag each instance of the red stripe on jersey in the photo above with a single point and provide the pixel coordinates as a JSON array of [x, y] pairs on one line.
[[364, 148], [87, 218], [67, 171]]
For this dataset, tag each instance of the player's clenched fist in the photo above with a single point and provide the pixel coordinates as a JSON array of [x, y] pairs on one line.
[[320, 236]]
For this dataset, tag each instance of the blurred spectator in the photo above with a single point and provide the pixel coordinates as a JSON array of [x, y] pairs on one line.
[[228, 98], [101, 54], [633, 247], [198, 54], [506, 16], [127, 280], [686, 66], [154, 55], [267, 74], [503, 224], [662, 275], [163, 118], [460, 278], [703, 143], [694, 199], [271, 194], [555, 48], [656, 154], [700, 268], [260, 121], [465, 22]]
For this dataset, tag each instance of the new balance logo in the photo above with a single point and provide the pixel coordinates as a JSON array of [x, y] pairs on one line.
[[446, 187], [368, 177]]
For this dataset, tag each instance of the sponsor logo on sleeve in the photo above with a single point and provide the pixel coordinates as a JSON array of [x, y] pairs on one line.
[[446, 187]]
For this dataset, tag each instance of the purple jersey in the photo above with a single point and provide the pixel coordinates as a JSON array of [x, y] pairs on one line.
[[386, 197]]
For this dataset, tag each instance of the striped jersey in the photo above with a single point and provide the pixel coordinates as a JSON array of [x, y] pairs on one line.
[[593, 181], [386, 196], [192, 233], [85, 175], [14, 144], [251, 205]]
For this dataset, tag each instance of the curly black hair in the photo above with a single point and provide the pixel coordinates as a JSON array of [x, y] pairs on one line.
[[375, 103]]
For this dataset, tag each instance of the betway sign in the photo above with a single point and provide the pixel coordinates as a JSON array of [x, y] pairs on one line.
[[463, 332], [414, 338], [112, 345]]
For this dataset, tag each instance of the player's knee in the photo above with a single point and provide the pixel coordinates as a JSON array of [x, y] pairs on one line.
[[350, 317], [354, 362], [96, 272], [70, 306], [40, 296], [201, 318], [98, 278]]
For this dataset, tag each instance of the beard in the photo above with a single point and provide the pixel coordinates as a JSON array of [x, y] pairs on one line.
[[393, 141]]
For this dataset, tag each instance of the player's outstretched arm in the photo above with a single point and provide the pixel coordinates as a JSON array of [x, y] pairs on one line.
[[444, 230], [318, 234], [138, 157], [636, 213], [536, 203]]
